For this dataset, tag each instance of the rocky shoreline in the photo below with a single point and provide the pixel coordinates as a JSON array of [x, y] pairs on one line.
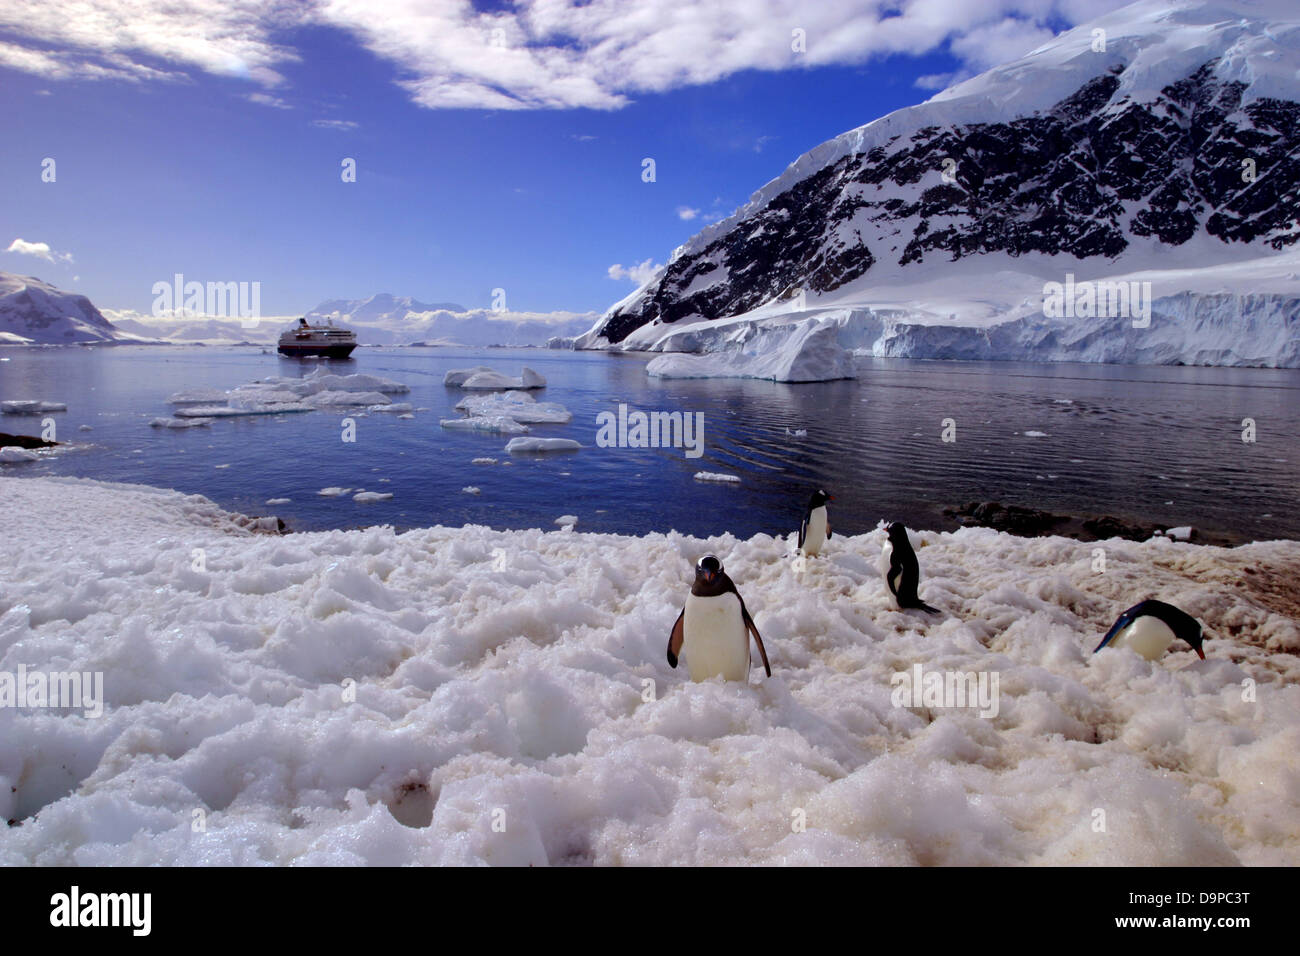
[[1033, 523]]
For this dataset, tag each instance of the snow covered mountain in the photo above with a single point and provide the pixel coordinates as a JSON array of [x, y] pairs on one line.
[[1161, 141], [378, 309], [33, 312]]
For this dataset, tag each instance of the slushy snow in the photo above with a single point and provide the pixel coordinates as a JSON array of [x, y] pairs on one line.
[[506, 672]]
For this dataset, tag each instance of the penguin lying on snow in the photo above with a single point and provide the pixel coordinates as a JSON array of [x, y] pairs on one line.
[[901, 569], [816, 526], [1150, 627], [714, 627]]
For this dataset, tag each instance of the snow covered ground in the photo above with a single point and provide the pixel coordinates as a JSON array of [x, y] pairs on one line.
[[462, 695]]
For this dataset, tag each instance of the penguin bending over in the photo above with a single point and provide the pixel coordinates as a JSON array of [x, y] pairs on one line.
[[815, 529], [1150, 627], [901, 570], [714, 627]]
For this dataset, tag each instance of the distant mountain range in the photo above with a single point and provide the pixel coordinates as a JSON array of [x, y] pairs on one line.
[[33, 312]]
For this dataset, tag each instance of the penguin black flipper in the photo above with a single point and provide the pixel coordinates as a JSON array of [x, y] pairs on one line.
[[758, 638], [1121, 622], [803, 528], [895, 571], [676, 638]]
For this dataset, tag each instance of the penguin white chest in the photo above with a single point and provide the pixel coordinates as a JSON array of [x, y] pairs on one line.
[[1148, 636], [715, 641], [815, 533], [886, 554]]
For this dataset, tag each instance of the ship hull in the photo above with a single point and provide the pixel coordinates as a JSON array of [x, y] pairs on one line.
[[331, 350]]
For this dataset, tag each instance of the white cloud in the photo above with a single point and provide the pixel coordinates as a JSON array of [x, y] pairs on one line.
[[342, 125], [686, 213], [266, 99], [638, 273], [529, 55], [935, 81], [40, 250]]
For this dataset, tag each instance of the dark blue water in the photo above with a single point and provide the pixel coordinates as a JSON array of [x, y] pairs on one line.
[[1159, 444]]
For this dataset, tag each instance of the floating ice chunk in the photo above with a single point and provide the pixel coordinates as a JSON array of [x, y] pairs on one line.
[[322, 380], [85, 428], [198, 396], [487, 379], [715, 476], [12, 454], [180, 422], [31, 406], [517, 405], [484, 461], [493, 424], [402, 409], [333, 491], [278, 501], [368, 496], [1183, 533], [516, 445], [566, 521], [797, 433], [1032, 434], [225, 411], [471, 490], [407, 415]]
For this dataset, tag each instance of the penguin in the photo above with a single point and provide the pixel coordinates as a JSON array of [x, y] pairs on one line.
[[1150, 627], [714, 627], [901, 569], [816, 526]]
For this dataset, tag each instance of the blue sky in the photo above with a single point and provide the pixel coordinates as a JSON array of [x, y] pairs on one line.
[[506, 155]]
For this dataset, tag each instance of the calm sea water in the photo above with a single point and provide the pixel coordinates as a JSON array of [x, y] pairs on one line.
[[1162, 444]]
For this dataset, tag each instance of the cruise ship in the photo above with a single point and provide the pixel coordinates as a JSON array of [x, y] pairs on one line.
[[325, 341]]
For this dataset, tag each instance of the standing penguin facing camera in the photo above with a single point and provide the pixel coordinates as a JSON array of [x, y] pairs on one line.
[[815, 529], [714, 627], [901, 570]]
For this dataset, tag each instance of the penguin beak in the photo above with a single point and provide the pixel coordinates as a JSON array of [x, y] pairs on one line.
[[708, 577]]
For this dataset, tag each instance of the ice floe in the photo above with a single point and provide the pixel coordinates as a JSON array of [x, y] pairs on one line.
[[516, 405]]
